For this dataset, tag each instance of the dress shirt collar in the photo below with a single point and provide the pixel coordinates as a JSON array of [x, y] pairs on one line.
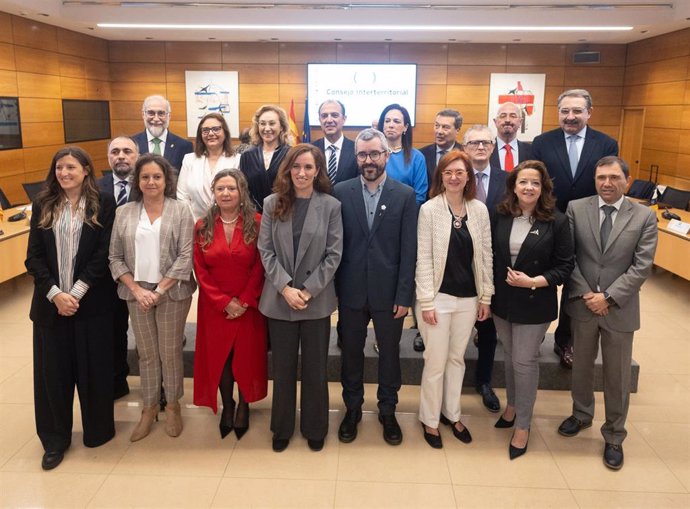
[[513, 144], [163, 137], [616, 205], [365, 188], [338, 144], [580, 134]]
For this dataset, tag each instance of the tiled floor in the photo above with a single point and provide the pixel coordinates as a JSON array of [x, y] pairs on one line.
[[198, 469]]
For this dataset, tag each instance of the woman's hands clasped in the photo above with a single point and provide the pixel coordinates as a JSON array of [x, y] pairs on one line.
[[234, 309]]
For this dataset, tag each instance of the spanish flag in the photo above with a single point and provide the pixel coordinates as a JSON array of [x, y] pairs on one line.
[[294, 133]]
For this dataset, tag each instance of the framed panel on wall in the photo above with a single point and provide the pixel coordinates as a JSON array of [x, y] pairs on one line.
[[10, 124], [85, 120]]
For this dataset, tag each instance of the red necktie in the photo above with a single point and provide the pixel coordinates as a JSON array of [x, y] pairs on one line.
[[509, 163]]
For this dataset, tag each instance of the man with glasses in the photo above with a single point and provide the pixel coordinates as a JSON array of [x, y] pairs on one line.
[[375, 280], [570, 154], [509, 151], [156, 138], [491, 186], [339, 151]]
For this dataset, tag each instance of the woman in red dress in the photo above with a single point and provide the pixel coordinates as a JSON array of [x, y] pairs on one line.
[[231, 333]]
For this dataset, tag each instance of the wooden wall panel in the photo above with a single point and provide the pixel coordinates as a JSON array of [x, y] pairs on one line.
[[7, 60], [130, 51], [8, 83], [535, 54], [6, 28], [33, 34], [355, 53], [81, 45], [251, 53], [477, 54], [40, 110]]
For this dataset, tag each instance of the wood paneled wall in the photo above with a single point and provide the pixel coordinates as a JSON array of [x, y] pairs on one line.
[[42, 64], [657, 77]]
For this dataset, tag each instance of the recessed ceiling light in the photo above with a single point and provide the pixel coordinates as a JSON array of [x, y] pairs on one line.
[[452, 40], [274, 39], [644, 31], [44, 14], [582, 40], [517, 40], [211, 38], [337, 39], [148, 38], [388, 39]]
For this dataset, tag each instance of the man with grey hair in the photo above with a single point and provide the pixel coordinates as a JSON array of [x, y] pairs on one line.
[[570, 154], [375, 280], [156, 138], [509, 151]]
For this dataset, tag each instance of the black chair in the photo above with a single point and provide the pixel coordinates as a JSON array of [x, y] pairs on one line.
[[676, 198], [642, 189], [4, 202], [32, 189]]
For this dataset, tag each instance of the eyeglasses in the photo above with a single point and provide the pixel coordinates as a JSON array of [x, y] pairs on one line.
[[476, 143], [374, 155], [451, 173], [216, 129], [156, 113]]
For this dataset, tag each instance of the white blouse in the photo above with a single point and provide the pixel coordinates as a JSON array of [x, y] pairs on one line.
[[147, 249], [194, 182]]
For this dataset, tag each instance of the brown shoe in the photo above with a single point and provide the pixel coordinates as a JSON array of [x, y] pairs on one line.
[[567, 357], [148, 415], [173, 419]]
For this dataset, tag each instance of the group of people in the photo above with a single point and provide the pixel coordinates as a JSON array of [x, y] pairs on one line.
[[472, 235]]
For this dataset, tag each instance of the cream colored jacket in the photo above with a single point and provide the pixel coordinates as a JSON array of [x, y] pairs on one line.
[[433, 236]]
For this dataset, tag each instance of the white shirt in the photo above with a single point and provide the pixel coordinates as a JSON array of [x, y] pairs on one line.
[[116, 186], [147, 249], [163, 137], [616, 205], [194, 182], [580, 143], [500, 146], [327, 152]]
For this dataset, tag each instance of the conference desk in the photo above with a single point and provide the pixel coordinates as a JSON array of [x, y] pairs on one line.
[[13, 243], [673, 249]]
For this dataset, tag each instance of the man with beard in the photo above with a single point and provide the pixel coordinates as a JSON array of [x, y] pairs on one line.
[[156, 138], [570, 154], [338, 150], [446, 129], [375, 280], [508, 151], [122, 156]]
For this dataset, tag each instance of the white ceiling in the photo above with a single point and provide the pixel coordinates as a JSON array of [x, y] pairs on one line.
[[436, 21]]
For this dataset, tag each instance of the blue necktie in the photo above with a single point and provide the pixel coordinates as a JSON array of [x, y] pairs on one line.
[[122, 195], [573, 156]]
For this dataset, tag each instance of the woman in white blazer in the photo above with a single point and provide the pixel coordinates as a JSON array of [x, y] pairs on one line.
[[212, 153], [151, 259], [454, 284]]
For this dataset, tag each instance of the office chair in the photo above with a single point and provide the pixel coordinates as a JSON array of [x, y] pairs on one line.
[[676, 198], [4, 202], [32, 189], [642, 189]]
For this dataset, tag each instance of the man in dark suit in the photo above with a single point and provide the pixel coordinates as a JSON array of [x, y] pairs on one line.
[[570, 154], [491, 185], [122, 156], [446, 130], [375, 280], [615, 241], [156, 138], [338, 150], [509, 151]]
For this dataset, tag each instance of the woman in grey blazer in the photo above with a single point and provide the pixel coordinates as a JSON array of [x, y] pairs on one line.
[[301, 243], [151, 259]]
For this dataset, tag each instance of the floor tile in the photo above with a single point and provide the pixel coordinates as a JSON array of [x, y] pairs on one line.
[[48, 489], [16, 429], [287, 493], [527, 498], [628, 500], [672, 443], [393, 495]]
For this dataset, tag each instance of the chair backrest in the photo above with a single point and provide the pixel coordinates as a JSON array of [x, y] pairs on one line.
[[642, 189], [4, 202], [32, 189], [676, 198]]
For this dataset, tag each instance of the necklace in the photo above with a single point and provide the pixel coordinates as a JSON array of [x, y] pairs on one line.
[[232, 221], [457, 218], [526, 218]]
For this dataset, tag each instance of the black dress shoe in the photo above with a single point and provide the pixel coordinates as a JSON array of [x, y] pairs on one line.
[[516, 452], [565, 356], [433, 440], [613, 456], [418, 343], [572, 426], [502, 423], [489, 398], [280, 444], [347, 431], [315, 445], [392, 433], [464, 436], [52, 459]]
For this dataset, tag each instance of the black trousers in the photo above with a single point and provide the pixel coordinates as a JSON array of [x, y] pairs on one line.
[[486, 336], [286, 338], [73, 352], [563, 335], [120, 326], [354, 332]]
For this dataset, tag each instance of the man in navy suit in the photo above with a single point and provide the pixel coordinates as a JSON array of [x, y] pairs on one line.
[[570, 154], [122, 156], [156, 138], [491, 187], [446, 130], [509, 151], [375, 280], [338, 150]]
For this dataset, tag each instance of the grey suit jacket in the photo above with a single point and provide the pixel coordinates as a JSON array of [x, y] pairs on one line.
[[176, 242], [619, 268], [318, 257]]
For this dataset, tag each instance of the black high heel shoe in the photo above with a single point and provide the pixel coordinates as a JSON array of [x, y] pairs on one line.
[[226, 420], [516, 452], [241, 419]]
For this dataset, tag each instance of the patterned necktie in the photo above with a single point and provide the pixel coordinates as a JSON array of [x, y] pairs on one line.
[[481, 194], [122, 195], [156, 146], [509, 163], [332, 163], [440, 155], [607, 225], [573, 156]]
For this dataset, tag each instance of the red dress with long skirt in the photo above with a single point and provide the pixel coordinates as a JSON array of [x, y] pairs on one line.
[[224, 272]]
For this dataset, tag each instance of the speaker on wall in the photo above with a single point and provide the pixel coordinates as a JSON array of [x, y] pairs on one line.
[[587, 57]]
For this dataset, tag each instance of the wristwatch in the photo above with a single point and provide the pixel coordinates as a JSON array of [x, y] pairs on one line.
[[609, 299]]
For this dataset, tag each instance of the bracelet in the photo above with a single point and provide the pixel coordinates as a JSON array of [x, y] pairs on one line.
[[534, 284], [160, 291]]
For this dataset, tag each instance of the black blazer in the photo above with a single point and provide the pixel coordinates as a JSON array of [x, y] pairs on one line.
[[347, 163], [106, 185], [175, 148], [550, 149], [497, 188], [259, 179], [524, 154], [429, 153], [547, 251], [91, 266], [377, 266]]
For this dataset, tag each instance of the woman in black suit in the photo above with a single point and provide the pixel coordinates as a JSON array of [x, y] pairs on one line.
[[269, 132], [72, 305], [533, 254]]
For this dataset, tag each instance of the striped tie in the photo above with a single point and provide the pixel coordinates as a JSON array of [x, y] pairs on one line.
[[122, 195], [332, 164]]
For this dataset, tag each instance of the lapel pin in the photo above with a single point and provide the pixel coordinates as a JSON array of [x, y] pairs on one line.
[[383, 207], [535, 232]]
